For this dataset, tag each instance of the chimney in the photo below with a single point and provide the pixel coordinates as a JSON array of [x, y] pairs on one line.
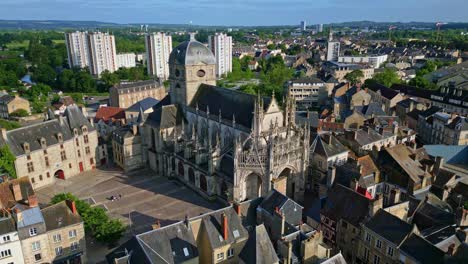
[[451, 249], [4, 133], [134, 130], [157, 225], [439, 161], [411, 106], [283, 224], [32, 201], [71, 204], [329, 139], [224, 226], [16, 188], [375, 205], [91, 121], [237, 208], [84, 111], [186, 221], [331, 174], [61, 119]]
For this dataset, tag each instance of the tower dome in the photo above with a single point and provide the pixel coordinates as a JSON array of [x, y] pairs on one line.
[[191, 53]]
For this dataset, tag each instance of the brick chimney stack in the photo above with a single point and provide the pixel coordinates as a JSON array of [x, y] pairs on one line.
[[224, 225], [16, 189], [237, 208], [71, 204], [32, 201]]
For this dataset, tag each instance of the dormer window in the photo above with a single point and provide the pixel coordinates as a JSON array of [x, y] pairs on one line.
[[84, 129], [59, 137], [75, 132], [43, 142], [26, 147]]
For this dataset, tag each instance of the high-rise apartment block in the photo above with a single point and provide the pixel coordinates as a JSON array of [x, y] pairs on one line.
[[102, 52], [320, 28], [221, 46], [95, 50], [158, 48], [77, 49], [333, 51], [303, 25]]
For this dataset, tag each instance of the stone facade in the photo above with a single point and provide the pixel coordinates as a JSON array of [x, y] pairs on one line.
[[10, 104], [57, 148], [124, 95], [221, 142], [127, 148]]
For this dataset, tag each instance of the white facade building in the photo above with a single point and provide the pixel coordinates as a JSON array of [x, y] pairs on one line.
[[373, 61], [102, 52], [10, 245], [158, 48], [77, 49], [95, 50], [303, 25], [221, 46], [126, 60], [333, 51]]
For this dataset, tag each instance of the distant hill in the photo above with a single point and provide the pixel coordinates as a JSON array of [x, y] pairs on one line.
[[65, 24]]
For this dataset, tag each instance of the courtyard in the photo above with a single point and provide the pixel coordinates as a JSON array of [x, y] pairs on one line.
[[146, 199]]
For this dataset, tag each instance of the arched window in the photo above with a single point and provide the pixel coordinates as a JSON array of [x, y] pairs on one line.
[[181, 169], [191, 176], [203, 184]]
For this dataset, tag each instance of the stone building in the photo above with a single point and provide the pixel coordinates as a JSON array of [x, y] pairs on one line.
[[127, 148], [308, 92], [10, 104], [221, 142], [125, 94], [53, 234], [10, 245], [56, 148]]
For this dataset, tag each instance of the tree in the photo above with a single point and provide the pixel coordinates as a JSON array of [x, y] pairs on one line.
[[9, 125], [271, 46], [422, 82], [388, 77], [95, 219], [7, 161], [109, 79], [354, 77], [20, 113]]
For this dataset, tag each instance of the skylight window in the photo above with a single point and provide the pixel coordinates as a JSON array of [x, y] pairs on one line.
[[186, 253], [236, 233], [221, 238]]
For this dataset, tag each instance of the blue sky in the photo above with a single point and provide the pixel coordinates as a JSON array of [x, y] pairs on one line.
[[236, 12]]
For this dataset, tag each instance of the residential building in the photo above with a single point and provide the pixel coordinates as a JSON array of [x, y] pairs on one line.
[[437, 127], [381, 237], [53, 234], [77, 49], [102, 53], [303, 25], [405, 106], [158, 47], [385, 96], [366, 140], [125, 94], [58, 148], [221, 46], [125, 60], [107, 119], [307, 92], [375, 61], [339, 70], [10, 104], [10, 245], [127, 147], [333, 50], [341, 218]]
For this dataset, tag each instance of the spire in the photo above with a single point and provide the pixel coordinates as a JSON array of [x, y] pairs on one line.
[[141, 116]]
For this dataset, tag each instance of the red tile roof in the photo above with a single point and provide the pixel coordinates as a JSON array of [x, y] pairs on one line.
[[109, 112]]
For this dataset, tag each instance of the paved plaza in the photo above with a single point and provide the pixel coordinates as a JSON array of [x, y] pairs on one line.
[[146, 198]]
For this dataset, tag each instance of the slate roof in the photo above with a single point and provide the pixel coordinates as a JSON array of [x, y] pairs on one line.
[[165, 116], [327, 145], [371, 109], [421, 250], [76, 119], [144, 104], [389, 226], [428, 215], [384, 90], [212, 226], [129, 252], [307, 80], [286, 206], [368, 166], [229, 102], [6, 98], [452, 154], [344, 203], [414, 114], [59, 215], [173, 243], [7, 225], [29, 217], [258, 248], [191, 53], [123, 86], [430, 111], [364, 137]]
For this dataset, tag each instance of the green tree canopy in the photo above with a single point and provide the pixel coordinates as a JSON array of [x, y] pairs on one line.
[[7, 161], [388, 77], [20, 113], [354, 77]]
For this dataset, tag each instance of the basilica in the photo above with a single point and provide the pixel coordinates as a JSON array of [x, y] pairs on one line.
[[223, 143]]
